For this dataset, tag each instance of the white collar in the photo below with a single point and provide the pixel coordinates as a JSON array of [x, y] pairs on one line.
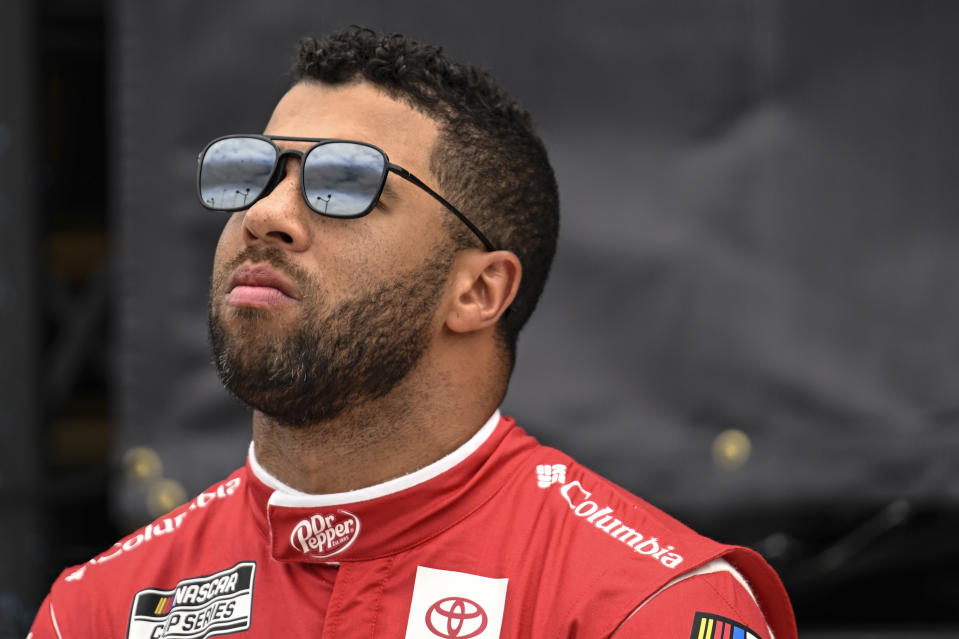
[[285, 495]]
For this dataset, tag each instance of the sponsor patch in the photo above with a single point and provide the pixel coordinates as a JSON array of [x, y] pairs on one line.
[[158, 528], [198, 607], [547, 475], [324, 535], [707, 626], [455, 605], [604, 518]]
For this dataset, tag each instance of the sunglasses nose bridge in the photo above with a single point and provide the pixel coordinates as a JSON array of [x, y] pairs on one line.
[[280, 169], [277, 216]]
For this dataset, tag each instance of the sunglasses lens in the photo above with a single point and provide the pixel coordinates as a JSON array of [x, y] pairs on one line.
[[234, 172], [343, 179]]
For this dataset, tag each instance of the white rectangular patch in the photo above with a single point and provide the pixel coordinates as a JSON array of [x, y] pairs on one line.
[[196, 608], [455, 605]]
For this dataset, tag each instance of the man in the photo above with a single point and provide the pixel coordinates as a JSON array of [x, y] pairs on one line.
[[390, 235]]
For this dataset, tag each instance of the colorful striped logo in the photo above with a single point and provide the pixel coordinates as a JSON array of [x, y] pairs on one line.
[[163, 605], [707, 626]]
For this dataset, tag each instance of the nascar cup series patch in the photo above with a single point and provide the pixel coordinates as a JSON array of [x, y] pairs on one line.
[[707, 626], [199, 607]]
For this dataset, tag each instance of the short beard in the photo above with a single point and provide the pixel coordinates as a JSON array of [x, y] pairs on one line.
[[336, 358]]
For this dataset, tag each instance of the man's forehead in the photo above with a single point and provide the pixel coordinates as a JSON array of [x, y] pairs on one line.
[[355, 111]]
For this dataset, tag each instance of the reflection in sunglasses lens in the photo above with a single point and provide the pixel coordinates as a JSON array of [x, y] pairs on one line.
[[234, 172], [343, 179]]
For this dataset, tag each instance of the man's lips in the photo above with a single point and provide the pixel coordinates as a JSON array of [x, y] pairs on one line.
[[260, 286]]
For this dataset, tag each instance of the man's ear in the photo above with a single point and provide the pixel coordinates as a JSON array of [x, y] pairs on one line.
[[484, 284]]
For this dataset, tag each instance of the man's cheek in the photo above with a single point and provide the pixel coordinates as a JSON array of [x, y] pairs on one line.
[[229, 244]]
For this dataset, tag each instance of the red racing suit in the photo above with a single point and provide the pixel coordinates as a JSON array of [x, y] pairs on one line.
[[503, 537]]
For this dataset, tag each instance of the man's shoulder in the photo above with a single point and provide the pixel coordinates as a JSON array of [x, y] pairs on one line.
[[611, 549], [94, 598], [149, 551], [583, 514]]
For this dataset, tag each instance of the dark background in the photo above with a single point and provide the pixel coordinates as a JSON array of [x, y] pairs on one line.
[[759, 244]]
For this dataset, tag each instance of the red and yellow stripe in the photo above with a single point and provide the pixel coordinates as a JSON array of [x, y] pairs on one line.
[[163, 606]]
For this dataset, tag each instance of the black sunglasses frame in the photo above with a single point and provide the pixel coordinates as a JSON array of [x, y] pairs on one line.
[[278, 171]]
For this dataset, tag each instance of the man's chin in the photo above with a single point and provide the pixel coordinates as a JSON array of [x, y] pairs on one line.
[[292, 412], [252, 326], [252, 314]]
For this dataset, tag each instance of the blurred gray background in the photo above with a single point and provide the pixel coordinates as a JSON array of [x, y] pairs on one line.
[[751, 320]]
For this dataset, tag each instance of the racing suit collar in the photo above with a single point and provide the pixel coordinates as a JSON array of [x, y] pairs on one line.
[[393, 516], [288, 496]]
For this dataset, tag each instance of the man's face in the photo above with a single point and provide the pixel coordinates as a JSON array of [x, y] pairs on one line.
[[311, 315]]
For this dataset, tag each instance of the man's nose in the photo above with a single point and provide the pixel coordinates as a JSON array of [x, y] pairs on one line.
[[281, 217]]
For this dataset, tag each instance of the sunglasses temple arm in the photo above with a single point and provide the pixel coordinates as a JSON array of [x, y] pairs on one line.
[[409, 177]]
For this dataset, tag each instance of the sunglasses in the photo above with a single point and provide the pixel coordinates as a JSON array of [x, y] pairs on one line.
[[338, 178]]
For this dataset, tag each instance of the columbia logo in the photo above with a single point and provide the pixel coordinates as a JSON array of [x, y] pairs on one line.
[[547, 475]]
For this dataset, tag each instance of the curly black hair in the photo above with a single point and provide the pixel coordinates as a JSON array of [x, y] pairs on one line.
[[489, 161]]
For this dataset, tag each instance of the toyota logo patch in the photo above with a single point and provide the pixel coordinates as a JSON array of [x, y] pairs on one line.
[[456, 618]]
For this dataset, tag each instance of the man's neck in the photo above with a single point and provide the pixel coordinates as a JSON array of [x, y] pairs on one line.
[[366, 445], [440, 404]]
